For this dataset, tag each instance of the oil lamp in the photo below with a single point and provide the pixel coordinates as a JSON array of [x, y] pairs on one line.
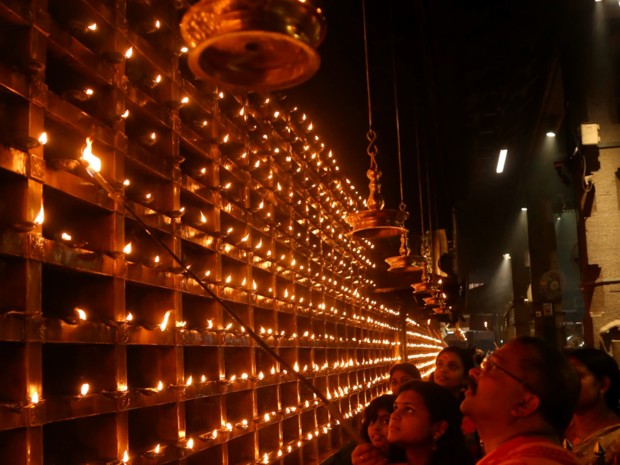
[[253, 46], [374, 222]]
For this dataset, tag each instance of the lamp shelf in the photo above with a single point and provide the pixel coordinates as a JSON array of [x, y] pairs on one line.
[[165, 363]]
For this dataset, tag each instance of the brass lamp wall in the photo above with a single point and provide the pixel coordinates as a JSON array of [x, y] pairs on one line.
[[110, 353]]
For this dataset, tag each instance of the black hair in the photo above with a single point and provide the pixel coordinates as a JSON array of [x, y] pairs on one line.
[[371, 413], [408, 368], [601, 365], [443, 406], [553, 379]]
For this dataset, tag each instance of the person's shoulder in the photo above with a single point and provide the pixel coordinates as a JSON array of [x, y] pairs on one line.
[[529, 451]]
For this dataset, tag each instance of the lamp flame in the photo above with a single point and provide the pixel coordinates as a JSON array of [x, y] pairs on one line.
[[164, 323], [129, 53], [40, 217], [125, 457], [43, 138], [160, 386], [81, 313], [127, 249], [84, 389], [34, 396], [94, 162], [203, 218]]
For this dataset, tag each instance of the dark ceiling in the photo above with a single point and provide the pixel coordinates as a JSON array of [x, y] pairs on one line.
[[471, 77]]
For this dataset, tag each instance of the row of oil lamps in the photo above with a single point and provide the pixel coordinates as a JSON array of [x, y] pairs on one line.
[[95, 164], [230, 328]]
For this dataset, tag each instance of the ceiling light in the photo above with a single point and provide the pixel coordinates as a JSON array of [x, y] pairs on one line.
[[550, 134], [523, 209], [506, 256], [501, 161]]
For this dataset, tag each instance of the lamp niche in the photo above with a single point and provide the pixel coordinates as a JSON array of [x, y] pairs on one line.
[[375, 222]]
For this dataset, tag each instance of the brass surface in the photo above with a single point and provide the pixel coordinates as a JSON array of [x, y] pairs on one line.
[[253, 45], [377, 224]]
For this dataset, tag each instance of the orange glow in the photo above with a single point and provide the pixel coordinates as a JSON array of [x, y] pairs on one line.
[[40, 217], [94, 162], [84, 389]]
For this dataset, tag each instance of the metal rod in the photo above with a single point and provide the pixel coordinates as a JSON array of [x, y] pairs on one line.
[[105, 186]]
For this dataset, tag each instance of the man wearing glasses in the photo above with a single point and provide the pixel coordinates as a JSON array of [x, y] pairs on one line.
[[521, 400]]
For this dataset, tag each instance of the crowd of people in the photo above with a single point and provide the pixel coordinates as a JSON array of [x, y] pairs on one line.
[[526, 403]]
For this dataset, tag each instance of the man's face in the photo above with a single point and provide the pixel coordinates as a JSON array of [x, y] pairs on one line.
[[497, 387]]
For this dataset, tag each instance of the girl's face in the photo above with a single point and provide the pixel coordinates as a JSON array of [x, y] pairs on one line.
[[449, 371], [410, 423], [398, 378], [378, 430], [591, 388]]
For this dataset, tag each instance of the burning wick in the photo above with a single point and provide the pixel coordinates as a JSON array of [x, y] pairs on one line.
[[164, 323], [40, 217], [43, 138], [190, 443], [34, 397], [129, 53], [127, 249], [65, 236], [160, 387], [84, 389], [81, 313], [94, 162], [125, 457]]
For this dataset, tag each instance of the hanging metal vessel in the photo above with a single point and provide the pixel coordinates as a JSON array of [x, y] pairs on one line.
[[405, 262], [425, 288], [253, 45], [376, 223]]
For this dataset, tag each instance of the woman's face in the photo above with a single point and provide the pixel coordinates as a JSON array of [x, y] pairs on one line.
[[398, 378], [449, 371], [410, 423], [591, 388], [378, 430]]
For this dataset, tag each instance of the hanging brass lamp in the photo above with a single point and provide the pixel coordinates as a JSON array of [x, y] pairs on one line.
[[253, 45], [375, 222], [405, 261]]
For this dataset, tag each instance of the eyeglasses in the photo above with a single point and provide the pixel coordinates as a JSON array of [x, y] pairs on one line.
[[488, 366]]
